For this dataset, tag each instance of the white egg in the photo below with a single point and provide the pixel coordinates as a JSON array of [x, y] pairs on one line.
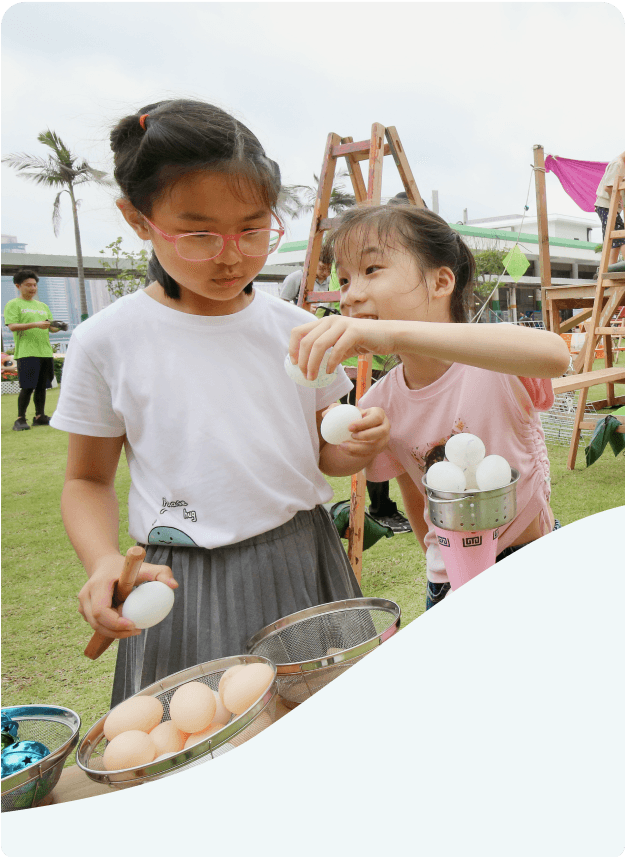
[[493, 472], [465, 450], [334, 426], [322, 379], [148, 604], [469, 475], [445, 476]]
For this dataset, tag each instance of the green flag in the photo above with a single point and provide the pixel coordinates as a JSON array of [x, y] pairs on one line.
[[516, 263]]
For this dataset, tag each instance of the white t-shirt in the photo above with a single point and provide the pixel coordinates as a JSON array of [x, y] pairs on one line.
[[221, 444]]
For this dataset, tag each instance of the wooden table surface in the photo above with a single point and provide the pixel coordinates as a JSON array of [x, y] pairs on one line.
[[74, 784]]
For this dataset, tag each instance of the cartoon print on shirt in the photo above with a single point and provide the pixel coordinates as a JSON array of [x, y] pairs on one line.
[[174, 504], [164, 535], [433, 452], [169, 536]]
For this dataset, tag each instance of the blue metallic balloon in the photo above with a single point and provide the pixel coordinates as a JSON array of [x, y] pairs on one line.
[[9, 725], [21, 755]]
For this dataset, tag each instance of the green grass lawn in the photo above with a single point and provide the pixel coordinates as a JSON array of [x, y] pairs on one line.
[[43, 635]]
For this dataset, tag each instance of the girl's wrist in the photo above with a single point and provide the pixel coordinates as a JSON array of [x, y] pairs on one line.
[[100, 566]]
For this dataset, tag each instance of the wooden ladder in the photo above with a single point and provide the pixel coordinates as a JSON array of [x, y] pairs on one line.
[[374, 150], [599, 301]]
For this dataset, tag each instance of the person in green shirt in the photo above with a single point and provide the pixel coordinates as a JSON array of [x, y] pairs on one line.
[[29, 319]]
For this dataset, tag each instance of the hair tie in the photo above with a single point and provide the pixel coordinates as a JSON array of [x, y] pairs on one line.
[[142, 120]]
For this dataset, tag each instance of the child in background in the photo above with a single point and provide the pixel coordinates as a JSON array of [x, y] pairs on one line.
[[404, 275], [223, 448]]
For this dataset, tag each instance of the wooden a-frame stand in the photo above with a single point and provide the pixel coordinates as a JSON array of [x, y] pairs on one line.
[[598, 302], [374, 151]]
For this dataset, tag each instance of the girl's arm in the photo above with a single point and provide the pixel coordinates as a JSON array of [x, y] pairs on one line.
[[413, 507], [506, 348], [91, 516], [371, 437]]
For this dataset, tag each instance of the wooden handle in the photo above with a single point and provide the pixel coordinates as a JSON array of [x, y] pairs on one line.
[[134, 557]]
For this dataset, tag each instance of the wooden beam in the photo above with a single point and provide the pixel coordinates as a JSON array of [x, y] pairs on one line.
[[403, 167], [569, 324], [355, 174], [588, 379], [359, 151], [376, 158], [322, 202], [544, 259]]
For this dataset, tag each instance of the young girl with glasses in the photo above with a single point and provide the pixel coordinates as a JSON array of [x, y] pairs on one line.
[[404, 275], [187, 375]]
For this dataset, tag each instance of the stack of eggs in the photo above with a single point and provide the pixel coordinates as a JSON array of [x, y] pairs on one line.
[[138, 735], [468, 468]]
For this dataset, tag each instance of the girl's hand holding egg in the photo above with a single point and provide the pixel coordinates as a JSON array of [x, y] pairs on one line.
[[347, 337], [148, 604], [360, 433], [96, 596]]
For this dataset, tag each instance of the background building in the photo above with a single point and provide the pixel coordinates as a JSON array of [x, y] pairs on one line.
[[10, 244]]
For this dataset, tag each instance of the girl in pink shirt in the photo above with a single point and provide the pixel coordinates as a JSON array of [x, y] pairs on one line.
[[405, 276]]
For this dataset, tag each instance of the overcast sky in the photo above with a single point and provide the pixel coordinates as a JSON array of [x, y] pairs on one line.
[[470, 88]]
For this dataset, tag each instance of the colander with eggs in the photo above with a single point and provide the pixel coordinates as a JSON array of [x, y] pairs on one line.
[[184, 719]]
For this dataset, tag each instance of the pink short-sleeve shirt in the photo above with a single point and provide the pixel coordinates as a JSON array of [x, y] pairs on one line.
[[500, 409]]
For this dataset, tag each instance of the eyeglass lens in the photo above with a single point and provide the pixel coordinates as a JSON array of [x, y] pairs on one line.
[[203, 246]]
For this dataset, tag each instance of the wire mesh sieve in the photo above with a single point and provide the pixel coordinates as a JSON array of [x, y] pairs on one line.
[[473, 510], [313, 647], [237, 731], [55, 727]]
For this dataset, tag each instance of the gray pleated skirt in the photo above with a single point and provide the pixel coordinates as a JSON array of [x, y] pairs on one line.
[[225, 595]]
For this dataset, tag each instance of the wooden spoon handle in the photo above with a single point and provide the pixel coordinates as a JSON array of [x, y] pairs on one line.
[[98, 643]]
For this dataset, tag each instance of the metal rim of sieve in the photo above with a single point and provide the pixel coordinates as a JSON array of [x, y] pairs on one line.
[[42, 713], [294, 619], [452, 501], [202, 750]]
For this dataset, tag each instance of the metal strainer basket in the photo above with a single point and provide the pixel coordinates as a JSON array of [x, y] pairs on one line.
[[55, 727], [473, 510], [314, 646], [241, 727]]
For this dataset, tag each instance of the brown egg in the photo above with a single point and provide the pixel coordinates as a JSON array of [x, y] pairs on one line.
[[192, 707], [222, 715], [129, 750], [200, 736], [246, 687], [167, 737], [223, 681], [138, 712]]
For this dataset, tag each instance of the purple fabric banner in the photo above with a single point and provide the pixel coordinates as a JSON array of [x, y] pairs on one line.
[[579, 179]]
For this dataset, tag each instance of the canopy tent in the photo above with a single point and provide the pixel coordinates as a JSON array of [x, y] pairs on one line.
[[579, 179]]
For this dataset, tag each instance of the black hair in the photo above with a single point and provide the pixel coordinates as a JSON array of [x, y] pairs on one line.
[[181, 136], [326, 255], [424, 234], [25, 274]]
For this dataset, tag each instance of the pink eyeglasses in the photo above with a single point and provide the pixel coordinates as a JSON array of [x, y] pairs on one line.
[[203, 246]]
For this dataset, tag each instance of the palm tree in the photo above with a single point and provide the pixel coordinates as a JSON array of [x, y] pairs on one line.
[[61, 169], [298, 200]]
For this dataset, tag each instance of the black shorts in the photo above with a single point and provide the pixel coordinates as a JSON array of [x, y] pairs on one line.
[[603, 217], [33, 371]]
